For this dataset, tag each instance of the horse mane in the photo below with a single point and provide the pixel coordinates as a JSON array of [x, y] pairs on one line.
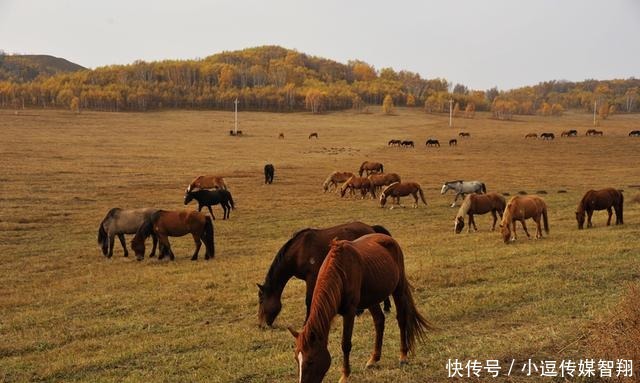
[[466, 205], [346, 183], [146, 229], [279, 258], [583, 201], [362, 165], [328, 180], [392, 185], [453, 182], [506, 216]]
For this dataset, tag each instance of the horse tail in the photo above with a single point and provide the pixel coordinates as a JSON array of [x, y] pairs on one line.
[[380, 229], [421, 195], [621, 208], [146, 229], [414, 323], [484, 188], [102, 238], [545, 220], [208, 236]]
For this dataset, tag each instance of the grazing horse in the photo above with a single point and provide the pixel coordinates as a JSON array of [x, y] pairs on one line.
[[634, 133], [597, 133], [336, 178], [207, 182], [569, 133], [407, 144], [547, 136], [479, 204], [463, 187], [600, 200], [402, 189], [519, 208], [119, 222], [383, 179], [281, 136], [453, 142], [301, 257], [314, 134], [209, 198], [361, 183], [357, 275], [165, 224], [464, 134], [394, 143], [432, 142], [370, 167], [269, 170], [531, 135]]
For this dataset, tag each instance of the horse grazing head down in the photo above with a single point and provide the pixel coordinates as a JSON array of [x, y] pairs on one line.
[[580, 215], [269, 305], [188, 196], [312, 357], [458, 225]]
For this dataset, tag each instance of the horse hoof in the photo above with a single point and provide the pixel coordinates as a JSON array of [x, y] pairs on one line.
[[404, 361], [371, 364], [192, 258], [343, 379]]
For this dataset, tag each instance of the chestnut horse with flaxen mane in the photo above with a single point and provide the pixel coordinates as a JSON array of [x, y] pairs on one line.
[[357, 275], [519, 208], [492, 203], [600, 200], [401, 189], [336, 178]]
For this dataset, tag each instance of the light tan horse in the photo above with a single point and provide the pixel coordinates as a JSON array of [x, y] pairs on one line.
[[207, 182], [402, 189], [361, 183], [479, 204], [521, 208], [336, 178], [383, 179]]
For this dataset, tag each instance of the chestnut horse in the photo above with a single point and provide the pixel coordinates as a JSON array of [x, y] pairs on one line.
[[207, 182], [166, 223], [370, 167], [479, 204], [519, 208], [360, 183], [531, 135], [402, 189], [600, 200], [383, 179], [301, 257], [336, 178], [357, 275]]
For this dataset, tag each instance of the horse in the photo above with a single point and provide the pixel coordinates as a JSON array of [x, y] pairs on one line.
[[370, 167], [361, 183], [479, 204], [569, 133], [314, 134], [207, 182], [268, 173], [463, 187], [547, 136], [357, 275], [402, 189], [383, 179], [634, 133], [464, 134], [600, 200], [531, 135], [301, 257], [281, 136], [519, 208], [453, 142], [394, 143], [167, 223], [407, 144], [336, 178], [235, 133], [590, 132], [119, 222], [432, 142], [597, 133], [209, 198]]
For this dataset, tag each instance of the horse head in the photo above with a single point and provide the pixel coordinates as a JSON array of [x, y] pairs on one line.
[[312, 356], [458, 225], [445, 187], [580, 218], [505, 231], [269, 305], [188, 196], [383, 199]]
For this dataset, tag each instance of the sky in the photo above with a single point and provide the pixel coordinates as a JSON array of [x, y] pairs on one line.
[[478, 43]]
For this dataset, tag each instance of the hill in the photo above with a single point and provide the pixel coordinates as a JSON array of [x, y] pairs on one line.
[[24, 68]]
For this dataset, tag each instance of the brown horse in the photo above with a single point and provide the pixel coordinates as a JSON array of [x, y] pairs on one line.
[[383, 179], [301, 257], [479, 204], [357, 275], [402, 189], [361, 183], [370, 167], [531, 135], [314, 134], [569, 133], [519, 208], [600, 200], [336, 178], [165, 224], [207, 182]]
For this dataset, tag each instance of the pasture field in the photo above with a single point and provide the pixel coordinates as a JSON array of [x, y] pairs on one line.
[[67, 314]]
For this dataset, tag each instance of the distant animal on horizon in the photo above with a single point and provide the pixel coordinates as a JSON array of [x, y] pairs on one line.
[[402, 189], [464, 134], [634, 133], [281, 136], [492, 203], [357, 275], [378, 180], [569, 133], [521, 208], [407, 144], [453, 142], [357, 183], [301, 257], [462, 188], [432, 142], [604, 199], [207, 182], [209, 198], [547, 136], [119, 222], [531, 135], [394, 143], [269, 171], [167, 223], [369, 167], [336, 178], [314, 134], [234, 133]]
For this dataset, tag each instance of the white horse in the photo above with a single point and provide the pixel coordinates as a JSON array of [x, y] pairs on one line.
[[463, 187]]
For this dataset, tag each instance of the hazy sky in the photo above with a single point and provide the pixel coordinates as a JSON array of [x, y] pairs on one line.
[[480, 43]]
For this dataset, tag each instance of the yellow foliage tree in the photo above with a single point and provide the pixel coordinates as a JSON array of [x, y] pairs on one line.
[[315, 100], [357, 103], [545, 109], [411, 100], [470, 110], [557, 109], [387, 104], [456, 110], [603, 111], [612, 109], [75, 105]]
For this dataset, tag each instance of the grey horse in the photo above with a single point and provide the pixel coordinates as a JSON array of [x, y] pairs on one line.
[[119, 222], [463, 187]]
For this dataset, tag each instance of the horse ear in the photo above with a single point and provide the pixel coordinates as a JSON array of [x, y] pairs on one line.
[[293, 332], [260, 286]]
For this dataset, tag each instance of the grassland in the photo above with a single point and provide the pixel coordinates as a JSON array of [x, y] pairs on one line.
[[68, 314]]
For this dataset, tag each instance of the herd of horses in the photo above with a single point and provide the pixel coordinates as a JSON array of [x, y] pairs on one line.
[[431, 142], [574, 133]]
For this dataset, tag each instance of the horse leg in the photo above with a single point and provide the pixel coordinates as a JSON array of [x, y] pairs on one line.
[[224, 210], [610, 212], [124, 244], [514, 235], [472, 221], [112, 238], [401, 317], [196, 239], [538, 227], [495, 219], [455, 200], [347, 332], [524, 226], [387, 305], [589, 214], [211, 211], [378, 321], [154, 238]]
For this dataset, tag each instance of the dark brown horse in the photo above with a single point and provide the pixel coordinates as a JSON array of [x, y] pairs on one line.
[[453, 142], [519, 208], [360, 183], [401, 189], [394, 142], [207, 182], [357, 275], [464, 134], [301, 257], [594, 132], [312, 135], [166, 223], [569, 133], [547, 136], [608, 199], [383, 179], [370, 167], [336, 178], [432, 142], [479, 204]]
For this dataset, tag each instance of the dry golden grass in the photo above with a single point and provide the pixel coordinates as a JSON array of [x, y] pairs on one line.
[[69, 314]]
